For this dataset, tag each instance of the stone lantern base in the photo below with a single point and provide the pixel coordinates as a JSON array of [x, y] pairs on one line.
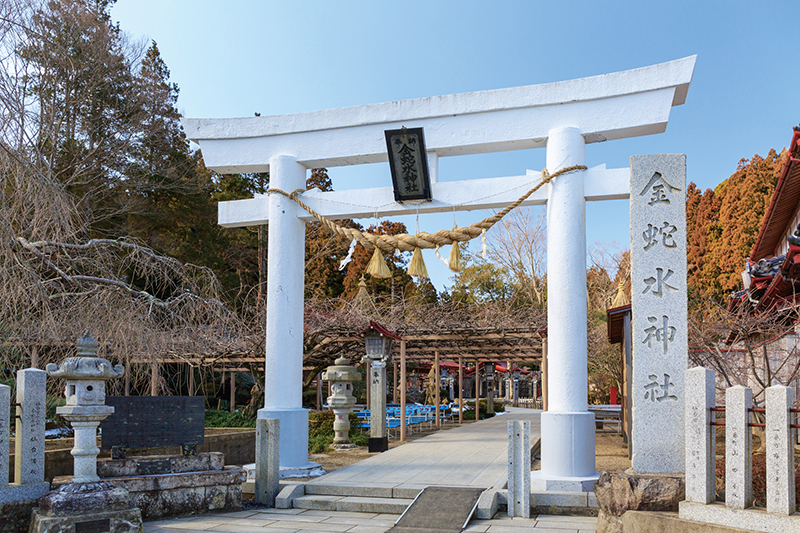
[[86, 507]]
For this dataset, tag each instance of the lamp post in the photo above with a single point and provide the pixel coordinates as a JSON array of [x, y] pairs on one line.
[[516, 388], [378, 343], [490, 389]]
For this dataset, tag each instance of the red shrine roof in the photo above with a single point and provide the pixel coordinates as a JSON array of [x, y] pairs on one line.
[[770, 278], [380, 329], [782, 207]]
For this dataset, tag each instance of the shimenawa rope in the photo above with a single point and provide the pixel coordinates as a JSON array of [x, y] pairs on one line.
[[407, 243]]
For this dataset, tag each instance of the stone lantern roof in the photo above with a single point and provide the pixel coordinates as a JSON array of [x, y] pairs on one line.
[[85, 365]]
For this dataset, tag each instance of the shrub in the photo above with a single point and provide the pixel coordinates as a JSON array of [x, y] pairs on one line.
[[216, 418], [320, 431]]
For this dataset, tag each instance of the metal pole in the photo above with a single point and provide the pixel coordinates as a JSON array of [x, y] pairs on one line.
[[402, 390]]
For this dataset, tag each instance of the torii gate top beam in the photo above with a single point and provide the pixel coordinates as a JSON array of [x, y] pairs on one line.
[[611, 106]]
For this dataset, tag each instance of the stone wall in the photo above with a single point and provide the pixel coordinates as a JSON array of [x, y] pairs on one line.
[[238, 445]]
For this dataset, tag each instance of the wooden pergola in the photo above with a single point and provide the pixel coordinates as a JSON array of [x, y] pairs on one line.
[[460, 345], [476, 345]]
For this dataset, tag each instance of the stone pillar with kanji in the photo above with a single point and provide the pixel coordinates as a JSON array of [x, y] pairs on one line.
[[660, 317]]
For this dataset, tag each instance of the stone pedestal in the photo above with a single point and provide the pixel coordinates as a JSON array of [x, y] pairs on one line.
[[84, 421], [86, 507], [618, 492]]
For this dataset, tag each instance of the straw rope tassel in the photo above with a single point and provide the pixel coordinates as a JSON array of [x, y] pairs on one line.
[[417, 266], [456, 264], [377, 266]]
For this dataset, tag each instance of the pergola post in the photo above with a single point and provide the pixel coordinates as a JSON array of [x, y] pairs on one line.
[[319, 391], [438, 386], [394, 380], [154, 379], [191, 379], [460, 390], [478, 387], [233, 391], [509, 382], [402, 390]]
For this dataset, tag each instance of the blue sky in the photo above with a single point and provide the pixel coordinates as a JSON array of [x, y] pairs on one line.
[[234, 58]]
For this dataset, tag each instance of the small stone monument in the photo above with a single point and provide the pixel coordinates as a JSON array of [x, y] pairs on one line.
[[341, 375], [86, 504]]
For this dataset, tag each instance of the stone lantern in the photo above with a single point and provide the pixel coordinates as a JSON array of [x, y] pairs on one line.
[[378, 343], [85, 375], [341, 376], [86, 504]]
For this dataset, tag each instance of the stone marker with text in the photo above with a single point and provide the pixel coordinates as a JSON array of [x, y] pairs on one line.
[[660, 326]]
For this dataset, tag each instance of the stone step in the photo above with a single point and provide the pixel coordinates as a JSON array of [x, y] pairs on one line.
[[355, 504], [378, 490]]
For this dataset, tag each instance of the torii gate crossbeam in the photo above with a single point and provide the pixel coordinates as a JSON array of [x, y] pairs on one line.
[[561, 116]]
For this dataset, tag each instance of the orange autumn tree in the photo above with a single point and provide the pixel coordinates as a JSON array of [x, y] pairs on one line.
[[723, 224]]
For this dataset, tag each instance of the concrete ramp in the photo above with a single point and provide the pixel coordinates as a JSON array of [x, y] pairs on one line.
[[439, 510]]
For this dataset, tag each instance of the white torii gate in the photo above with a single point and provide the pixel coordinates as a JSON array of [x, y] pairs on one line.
[[562, 116]]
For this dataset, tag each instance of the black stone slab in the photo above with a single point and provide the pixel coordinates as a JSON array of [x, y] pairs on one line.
[[153, 421]]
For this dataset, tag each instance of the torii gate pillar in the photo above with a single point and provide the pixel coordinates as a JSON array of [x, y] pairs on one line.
[[283, 396], [567, 428]]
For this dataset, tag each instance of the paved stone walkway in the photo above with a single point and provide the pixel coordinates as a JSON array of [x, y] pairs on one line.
[[307, 521], [472, 455]]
